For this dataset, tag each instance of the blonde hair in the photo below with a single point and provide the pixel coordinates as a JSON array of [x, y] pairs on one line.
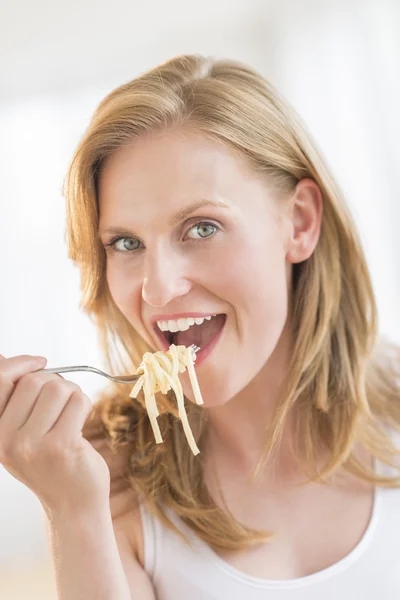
[[343, 382]]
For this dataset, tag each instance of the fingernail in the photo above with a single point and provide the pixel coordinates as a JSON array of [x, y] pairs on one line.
[[40, 358]]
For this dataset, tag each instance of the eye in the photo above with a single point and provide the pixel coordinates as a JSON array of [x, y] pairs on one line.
[[202, 230], [127, 245]]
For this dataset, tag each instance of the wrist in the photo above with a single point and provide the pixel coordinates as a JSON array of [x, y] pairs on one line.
[[64, 513]]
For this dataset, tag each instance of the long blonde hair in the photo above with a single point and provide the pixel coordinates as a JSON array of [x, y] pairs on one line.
[[343, 381]]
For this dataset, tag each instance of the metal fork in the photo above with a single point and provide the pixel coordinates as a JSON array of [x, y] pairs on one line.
[[122, 379]]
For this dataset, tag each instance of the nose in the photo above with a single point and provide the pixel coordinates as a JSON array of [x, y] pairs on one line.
[[164, 278]]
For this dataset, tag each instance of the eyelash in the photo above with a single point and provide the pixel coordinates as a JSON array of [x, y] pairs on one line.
[[111, 244]]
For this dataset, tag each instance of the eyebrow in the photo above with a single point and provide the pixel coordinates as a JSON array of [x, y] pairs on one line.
[[179, 216]]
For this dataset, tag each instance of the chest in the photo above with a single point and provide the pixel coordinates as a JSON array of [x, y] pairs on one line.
[[314, 526]]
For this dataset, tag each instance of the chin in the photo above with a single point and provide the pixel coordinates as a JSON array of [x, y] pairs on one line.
[[221, 385], [213, 393]]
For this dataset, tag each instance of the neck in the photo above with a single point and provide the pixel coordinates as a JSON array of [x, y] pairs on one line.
[[238, 428]]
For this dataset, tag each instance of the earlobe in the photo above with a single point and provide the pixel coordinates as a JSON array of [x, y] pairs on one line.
[[306, 217]]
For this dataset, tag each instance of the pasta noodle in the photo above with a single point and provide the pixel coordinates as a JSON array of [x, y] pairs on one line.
[[159, 373]]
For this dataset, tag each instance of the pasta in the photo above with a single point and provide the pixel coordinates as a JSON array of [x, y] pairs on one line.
[[159, 373]]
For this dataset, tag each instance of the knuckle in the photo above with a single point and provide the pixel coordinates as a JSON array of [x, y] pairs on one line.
[[81, 403], [55, 448], [80, 399], [29, 378], [25, 449], [30, 381], [54, 386], [6, 389], [59, 385], [76, 389], [16, 450], [4, 380]]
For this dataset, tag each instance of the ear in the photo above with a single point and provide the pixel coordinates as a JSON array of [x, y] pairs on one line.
[[305, 215]]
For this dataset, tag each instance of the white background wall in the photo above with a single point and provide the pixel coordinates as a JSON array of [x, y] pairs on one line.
[[337, 62]]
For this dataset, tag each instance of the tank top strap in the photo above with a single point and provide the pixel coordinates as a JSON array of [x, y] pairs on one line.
[[151, 538]]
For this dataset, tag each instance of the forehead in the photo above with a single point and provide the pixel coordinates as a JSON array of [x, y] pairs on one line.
[[160, 173]]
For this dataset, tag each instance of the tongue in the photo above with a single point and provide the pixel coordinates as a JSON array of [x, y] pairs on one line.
[[200, 335]]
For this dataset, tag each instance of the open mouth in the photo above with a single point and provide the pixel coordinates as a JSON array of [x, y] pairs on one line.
[[200, 334]]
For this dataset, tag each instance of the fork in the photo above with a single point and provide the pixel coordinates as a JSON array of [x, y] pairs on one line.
[[121, 379]]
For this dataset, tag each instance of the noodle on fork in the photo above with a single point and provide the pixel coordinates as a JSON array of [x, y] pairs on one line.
[[160, 373]]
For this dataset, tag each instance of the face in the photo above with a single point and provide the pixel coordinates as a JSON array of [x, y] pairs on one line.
[[199, 234]]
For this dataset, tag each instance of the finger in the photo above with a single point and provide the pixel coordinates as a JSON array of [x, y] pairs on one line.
[[73, 417], [49, 405], [22, 400], [17, 366], [6, 390], [11, 370]]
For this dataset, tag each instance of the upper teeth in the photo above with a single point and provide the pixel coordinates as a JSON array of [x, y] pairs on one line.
[[182, 324]]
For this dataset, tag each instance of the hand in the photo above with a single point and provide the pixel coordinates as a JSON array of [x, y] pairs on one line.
[[41, 442]]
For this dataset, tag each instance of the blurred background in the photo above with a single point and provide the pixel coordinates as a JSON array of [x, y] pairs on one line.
[[338, 63]]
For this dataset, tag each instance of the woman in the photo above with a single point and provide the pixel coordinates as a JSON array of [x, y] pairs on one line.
[[196, 192]]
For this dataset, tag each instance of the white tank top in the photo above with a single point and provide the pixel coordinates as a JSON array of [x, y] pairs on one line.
[[370, 571]]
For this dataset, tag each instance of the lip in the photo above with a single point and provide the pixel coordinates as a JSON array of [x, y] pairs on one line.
[[175, 317], [202, 354]]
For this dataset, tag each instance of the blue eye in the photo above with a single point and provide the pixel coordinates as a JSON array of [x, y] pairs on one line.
[[128, 245], [202, 230], [125, 247]]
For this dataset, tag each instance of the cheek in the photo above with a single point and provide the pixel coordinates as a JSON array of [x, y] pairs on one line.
[[264, 299], [126, 292], [253, 283], [249, 275], [119, 285]]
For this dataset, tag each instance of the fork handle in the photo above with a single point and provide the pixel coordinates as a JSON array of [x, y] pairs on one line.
[[72, 369], [124, 379]]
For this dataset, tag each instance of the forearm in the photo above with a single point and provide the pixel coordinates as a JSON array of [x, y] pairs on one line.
[[85, 556]]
